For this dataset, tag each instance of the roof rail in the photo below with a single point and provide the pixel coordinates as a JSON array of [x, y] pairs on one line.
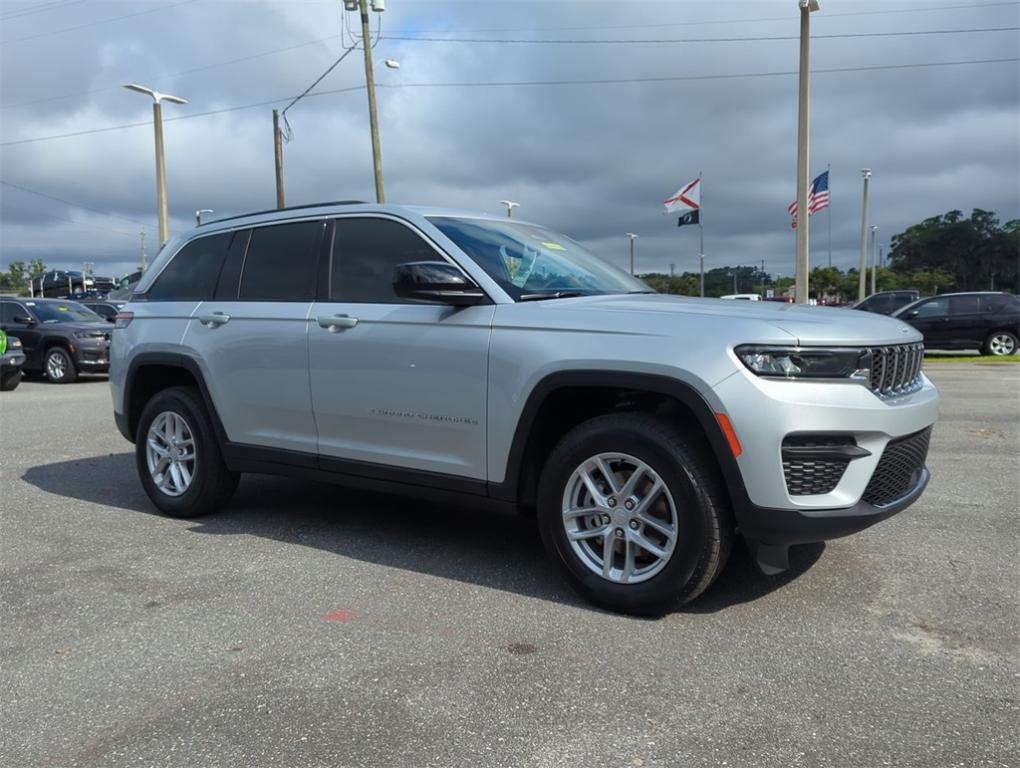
[[287, 208]]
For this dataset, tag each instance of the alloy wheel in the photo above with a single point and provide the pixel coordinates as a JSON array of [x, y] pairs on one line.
[[56, 366], [620, 518], [170, 453], [1002, 344]]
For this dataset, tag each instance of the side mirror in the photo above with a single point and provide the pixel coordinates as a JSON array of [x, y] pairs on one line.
[[436, 281], [24, 320], [912, 313]]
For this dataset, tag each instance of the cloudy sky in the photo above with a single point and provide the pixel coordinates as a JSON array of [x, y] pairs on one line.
[[467, 121]]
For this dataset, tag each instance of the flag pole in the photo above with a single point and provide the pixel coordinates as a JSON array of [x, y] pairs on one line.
[[828, 168], [701, 234]]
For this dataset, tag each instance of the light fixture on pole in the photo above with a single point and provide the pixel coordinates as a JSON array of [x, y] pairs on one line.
[[157, 121], [392, 64], [198, 215], [807, 7], [863, 267], [632, 237], [510, 205], [874, 255]]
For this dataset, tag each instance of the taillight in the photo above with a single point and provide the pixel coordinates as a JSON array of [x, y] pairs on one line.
[[123, 319]]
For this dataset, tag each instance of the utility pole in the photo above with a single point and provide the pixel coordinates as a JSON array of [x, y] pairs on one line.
[[701, 259], [803, 153], [632, 237], [366, 43], [672, 272], [278, 152], [874, 256], [143, 264], [863, 268]]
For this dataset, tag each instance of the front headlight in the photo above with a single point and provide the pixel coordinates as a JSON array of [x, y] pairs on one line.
[[13, 342], [88, 334], [807, 362]]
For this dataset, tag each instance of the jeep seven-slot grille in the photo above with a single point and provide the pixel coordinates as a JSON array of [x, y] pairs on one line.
[[896, 369], [899, 470], [810, 475]]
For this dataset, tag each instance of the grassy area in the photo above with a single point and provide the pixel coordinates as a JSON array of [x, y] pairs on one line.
[[930, 358]]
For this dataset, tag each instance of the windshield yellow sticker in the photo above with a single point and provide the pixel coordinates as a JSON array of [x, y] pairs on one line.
[[554, 246]]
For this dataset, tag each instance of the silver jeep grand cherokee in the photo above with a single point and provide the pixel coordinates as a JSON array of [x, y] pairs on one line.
[[454, 355]]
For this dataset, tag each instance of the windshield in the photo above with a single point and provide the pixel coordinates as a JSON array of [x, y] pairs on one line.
[[533, 262], [50, 312]]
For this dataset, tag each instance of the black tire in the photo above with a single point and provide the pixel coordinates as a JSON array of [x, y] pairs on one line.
[[704, 520], [1001, 344], [65, 363], [212, 483], [10, 381]]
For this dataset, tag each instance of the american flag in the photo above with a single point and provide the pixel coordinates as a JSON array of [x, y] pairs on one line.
[[818, 198]]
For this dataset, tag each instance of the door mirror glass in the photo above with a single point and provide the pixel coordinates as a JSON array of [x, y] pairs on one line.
[[913, 313], [436, 281]]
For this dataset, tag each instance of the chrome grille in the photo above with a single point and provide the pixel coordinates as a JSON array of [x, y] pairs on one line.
[[896, 369]]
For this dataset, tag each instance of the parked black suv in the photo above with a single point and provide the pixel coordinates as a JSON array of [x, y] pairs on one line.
[[61, 338], [986, 321], [887, 302]]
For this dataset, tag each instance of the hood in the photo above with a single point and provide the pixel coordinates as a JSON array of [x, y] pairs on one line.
[[101, 325], [808, 325]]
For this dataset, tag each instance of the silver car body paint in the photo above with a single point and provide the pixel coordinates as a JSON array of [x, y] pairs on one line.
[[441, 389]]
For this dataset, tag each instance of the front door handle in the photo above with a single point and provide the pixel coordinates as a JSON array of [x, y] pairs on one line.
[[216, 318], [334, 323]]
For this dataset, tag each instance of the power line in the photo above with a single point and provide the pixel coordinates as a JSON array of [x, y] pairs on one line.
[[710, 22], [73, 205], [94, 23], [39, 9], [497, 84], [757, 39]]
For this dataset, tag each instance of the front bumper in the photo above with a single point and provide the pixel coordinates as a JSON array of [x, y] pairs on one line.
[[92, 356], [11, 361]]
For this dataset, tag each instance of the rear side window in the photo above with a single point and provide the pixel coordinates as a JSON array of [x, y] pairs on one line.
[[999, 303], [879, 303], [365, 252], [191, 274], [230, 275], [963, 305], [281, 262]]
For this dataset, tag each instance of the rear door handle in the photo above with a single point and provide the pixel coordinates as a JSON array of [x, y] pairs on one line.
[[334, 323], [216, 318]]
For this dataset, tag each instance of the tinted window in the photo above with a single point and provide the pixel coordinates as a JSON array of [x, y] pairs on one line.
[[8, 309], [191, 274], [878, 303], [963, 305], [108, 311], [53, 312], [999, 303], [230, 275], [901, 300], [281, 262], [365, 251], [933, 308]]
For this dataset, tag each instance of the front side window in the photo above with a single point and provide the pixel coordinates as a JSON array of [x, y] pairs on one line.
[[9, 310], [281, 262], [934, 308], [533, 262], [53, 312], [191, 274], [365, 252]]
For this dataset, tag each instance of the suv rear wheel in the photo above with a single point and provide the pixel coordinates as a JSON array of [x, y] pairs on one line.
[[59, 366], [634, 512], [178, 456], [1000, 344]]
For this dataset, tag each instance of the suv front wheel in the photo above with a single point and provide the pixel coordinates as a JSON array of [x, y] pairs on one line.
[[634, 512], [178, 456]]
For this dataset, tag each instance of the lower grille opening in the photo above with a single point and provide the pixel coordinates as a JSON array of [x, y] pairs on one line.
[[899, 470], [812, 464]]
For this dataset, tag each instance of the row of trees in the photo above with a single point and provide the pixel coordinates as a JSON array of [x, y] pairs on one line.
[[943, 253], [18, 275]]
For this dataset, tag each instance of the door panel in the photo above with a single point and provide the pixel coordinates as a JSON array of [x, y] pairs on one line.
[[405, 386], [256, 363]]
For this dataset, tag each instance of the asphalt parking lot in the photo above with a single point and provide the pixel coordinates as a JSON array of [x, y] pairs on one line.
[[308, 625]]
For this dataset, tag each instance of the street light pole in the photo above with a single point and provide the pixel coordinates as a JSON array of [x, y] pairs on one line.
[[278, 154], [162, 208], [863, 267], [510, 205], [874, 256], [803, 147], [632, 237], [366, 43]]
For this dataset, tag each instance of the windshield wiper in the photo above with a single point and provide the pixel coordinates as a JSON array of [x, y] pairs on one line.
[[551, 295]]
